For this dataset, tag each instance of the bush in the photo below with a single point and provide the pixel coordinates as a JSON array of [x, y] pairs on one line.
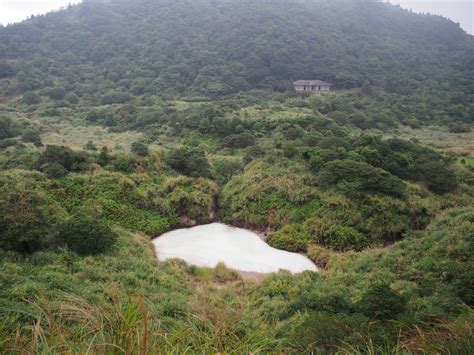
[[319, 255], [115, 97], [330, 234], [57, 93], [381, 302], [86, 235], [241, 140], [72, 98], [191, 198], [439, 178], [63, 156], [139, 149], [189, 161], [290, 237], [223, 274], [459, 128], [253, 152], [7, 129], [323, 333], [354, 177], [225, 168], [32, 137], [54, 170], [6, 69], [8, 142], [31, 98], [124, 163], [90, 146], [27, 215], [407, 160], [103, 158]]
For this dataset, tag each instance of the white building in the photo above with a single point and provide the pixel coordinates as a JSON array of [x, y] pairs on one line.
[[311, 85]]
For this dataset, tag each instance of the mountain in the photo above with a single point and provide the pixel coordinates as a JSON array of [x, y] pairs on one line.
[[216, 47]]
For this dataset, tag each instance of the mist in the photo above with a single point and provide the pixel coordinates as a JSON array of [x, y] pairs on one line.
[[460, 11], [12, 11]]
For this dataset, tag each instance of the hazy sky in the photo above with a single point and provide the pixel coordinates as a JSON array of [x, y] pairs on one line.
[[461, 11], [18, 10]]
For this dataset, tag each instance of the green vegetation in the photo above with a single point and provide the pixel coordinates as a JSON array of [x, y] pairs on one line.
[[122, 120], [85, 235]]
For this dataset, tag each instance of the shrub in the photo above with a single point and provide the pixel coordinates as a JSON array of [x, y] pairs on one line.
[[225, 168], [8, 142], [408, 161], [354, 177], [223, 274], [57, 93], [7, 129], [115, 97], [322, 333], [381, 302], [241, 140], [27, 215], [31, 98], [139, 149], [124, 163], [252, 153], [86, 235], [189, 161], [32, 137], [191, 198], [54, 170], [103, 158], [290, 237], [6, 69], [319, 255], [63, 156], [90, 145], [315, 163], [439, 178], [290, 149], [72, 98], [330, 234], [459, 128]]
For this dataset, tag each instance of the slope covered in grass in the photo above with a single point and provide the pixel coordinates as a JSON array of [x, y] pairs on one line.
[[123, 301]]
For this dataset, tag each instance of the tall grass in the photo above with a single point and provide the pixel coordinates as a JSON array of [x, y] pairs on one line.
[[131, 326], [455, 337]]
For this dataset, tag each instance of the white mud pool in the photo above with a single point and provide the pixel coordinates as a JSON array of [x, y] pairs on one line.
[[237, 248]]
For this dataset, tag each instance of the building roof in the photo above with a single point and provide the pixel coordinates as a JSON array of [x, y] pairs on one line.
[[311, 83]]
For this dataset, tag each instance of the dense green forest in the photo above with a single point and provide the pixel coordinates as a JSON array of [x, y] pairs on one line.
[[122, 120]]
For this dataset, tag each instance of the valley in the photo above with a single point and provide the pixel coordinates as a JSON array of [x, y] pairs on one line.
[[145, 146]]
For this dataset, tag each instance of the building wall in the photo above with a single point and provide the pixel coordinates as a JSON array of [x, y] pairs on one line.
[[302, 88]]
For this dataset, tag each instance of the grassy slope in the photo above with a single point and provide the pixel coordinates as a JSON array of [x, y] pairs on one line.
[[125, 301], [128, 302]]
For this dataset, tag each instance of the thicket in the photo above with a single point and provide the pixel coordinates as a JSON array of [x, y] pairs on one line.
[[86, 235]]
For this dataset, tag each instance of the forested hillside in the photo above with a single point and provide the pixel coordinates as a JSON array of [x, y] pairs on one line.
[[121, 120], [220, 47]]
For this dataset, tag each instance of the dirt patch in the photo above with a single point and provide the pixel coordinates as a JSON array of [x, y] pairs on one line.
[[252, 276]]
